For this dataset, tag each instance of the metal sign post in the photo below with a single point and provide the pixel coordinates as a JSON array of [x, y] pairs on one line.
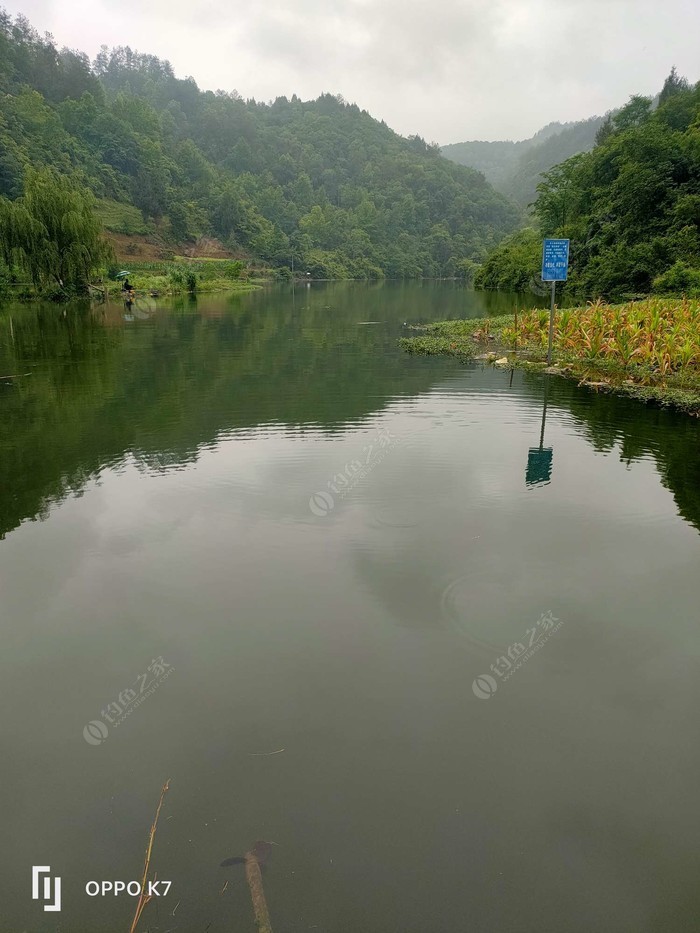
[[551, 324], [555, 266]]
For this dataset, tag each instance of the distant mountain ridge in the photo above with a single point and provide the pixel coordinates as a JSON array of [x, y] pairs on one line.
[[514, 168]]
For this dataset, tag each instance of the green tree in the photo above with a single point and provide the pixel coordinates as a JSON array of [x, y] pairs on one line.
[[178, 216], [635, 112], [631, 206], [513, 264], [53, 232], [559, 196], [321, 174], [674, 84]]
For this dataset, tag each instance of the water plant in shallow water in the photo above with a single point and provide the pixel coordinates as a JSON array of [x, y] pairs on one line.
[[648, 349], [659, 336]]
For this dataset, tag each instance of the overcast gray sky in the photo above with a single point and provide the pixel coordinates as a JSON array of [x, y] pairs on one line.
[[448, 69]]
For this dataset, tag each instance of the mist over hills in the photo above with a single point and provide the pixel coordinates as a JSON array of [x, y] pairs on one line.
[[630, 205], [514, 168]]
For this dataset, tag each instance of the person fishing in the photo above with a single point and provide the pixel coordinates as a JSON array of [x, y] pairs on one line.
[[127, 286]]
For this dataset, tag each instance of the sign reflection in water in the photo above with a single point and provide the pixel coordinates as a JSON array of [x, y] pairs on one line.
[[539, 459]]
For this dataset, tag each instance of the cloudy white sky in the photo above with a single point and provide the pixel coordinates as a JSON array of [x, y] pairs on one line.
[[448, 69]]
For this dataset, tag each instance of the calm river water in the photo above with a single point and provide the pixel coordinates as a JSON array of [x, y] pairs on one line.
[[343, 600]]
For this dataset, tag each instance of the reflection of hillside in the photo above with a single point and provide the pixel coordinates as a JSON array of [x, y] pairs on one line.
[[160, 389], [639, 430]]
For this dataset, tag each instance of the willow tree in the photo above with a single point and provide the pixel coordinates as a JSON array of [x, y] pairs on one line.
[[53, 232]]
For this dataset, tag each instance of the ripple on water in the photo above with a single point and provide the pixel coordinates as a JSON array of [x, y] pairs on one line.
[[402, 514], [481, 605], [458, 611]]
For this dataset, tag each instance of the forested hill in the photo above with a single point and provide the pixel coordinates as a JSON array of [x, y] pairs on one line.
[[497, 158], [320, 182], [630, 206], [514, 168]]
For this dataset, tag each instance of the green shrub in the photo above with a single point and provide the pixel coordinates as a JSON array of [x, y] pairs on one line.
[[513, 264], [679, 279]]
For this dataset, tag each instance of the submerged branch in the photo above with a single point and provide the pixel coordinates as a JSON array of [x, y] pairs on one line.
[[143, 897], [254, 877]]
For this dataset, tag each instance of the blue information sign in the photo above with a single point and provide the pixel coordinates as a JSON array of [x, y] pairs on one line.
[[555, 260]]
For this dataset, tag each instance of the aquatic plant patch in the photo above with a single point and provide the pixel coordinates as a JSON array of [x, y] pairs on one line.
[[649, 349]]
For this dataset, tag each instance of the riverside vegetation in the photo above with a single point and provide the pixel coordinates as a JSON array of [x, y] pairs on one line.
[[318, 186], [647, 349], [630, 206], [52, 234]]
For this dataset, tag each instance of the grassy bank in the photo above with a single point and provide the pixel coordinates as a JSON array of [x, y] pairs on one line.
[[649, 349], [185, 275], [158, 277]]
